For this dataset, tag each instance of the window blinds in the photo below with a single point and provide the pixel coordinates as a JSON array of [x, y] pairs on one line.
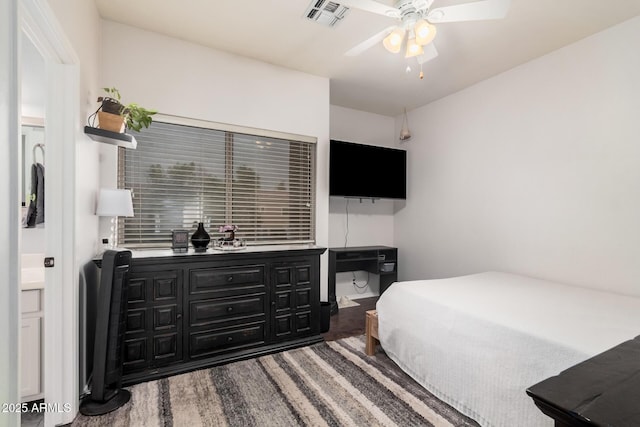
[[181, 175]]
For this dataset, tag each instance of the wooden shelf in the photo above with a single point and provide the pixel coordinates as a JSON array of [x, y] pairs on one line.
[[120, 139]]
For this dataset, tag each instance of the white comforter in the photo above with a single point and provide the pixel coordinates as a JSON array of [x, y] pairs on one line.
[[477, 342]]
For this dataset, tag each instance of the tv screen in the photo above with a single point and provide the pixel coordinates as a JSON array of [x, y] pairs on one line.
[[358, 170]]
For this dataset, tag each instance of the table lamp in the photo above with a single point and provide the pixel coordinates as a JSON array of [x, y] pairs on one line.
[[114, 203]]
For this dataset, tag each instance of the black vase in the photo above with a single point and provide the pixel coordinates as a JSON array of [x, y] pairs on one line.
[[200, 239]]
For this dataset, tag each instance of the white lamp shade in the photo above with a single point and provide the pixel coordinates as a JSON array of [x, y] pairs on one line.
[[413, 48], [425, 32], [114, 203], [393, 42]]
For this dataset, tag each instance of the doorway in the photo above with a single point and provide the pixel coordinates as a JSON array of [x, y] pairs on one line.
[[33, 20], [33, 245]]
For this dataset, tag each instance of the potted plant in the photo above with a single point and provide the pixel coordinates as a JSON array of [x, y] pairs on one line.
[[115, 116]]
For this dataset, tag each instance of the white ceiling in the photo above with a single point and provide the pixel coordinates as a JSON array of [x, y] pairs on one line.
[[276, 31]]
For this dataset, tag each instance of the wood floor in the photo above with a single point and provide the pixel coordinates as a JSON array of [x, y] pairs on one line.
[[350, 321]]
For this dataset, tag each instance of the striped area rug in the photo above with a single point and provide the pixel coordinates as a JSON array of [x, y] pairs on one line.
[[328, 384]]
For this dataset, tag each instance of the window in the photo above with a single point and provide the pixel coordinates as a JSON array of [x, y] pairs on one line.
[[184, 174]]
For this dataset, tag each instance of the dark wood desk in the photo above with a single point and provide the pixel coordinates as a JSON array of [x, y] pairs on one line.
[[601, 391], [374, 259]]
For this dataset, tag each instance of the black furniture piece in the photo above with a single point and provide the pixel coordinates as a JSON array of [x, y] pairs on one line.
[[601, 391], [191, 311], [381, 260], [106, 392]]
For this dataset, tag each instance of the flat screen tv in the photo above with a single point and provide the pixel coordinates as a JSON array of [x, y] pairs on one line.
[[367, 171]]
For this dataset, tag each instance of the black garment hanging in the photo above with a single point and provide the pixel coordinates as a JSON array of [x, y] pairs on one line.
[[35, 211]]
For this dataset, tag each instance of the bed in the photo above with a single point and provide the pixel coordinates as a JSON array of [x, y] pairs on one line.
[[478, 341]]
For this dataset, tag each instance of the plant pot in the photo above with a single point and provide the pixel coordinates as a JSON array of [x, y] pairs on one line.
[[111, 122]]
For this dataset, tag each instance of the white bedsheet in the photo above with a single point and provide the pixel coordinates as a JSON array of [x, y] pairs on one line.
[[478, 341]]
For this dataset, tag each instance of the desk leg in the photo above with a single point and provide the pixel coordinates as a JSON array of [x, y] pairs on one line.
[[386, 280], [332, 283]]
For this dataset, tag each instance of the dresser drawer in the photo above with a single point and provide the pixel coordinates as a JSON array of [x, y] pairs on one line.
[[216, 341], [203, 312], [226, 280], [30, 301]]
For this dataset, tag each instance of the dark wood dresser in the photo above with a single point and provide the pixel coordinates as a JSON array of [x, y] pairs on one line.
[[601, 391], [190, 311]]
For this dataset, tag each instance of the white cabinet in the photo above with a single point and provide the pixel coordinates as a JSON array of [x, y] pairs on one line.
[[31, 345], [31, 338]]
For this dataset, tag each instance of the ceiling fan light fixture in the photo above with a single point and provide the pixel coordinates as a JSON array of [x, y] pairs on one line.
[[413, 48], [393, 42], [425, 32]]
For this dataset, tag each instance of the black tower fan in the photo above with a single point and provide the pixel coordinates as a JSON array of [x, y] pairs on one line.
[[106, 392]]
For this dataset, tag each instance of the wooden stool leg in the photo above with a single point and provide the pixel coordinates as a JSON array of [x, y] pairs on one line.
[[371, 332], [370, 348]]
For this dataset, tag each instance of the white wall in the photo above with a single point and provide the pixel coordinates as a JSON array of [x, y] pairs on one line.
[[33, 241], [534, 171], [369, 223], [189, 80]]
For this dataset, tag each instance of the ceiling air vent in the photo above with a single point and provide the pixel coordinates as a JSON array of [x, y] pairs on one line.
[[326, 12]]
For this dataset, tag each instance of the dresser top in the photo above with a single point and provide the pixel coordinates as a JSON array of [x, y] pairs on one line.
[[153, 255], [160, 253], [360, 248]]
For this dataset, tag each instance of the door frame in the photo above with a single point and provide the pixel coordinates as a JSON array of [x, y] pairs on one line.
[[9, 218], [35, 20]]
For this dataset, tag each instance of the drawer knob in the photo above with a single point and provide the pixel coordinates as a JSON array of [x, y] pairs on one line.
[[229, 309], [229, 339], [230, 279]]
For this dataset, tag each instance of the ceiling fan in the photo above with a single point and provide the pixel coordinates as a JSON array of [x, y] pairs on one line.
[[417, 20]]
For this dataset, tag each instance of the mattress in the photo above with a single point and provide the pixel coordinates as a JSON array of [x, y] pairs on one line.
[[478, 341]]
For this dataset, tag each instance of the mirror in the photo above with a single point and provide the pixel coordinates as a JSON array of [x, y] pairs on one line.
[[33, 90], [33, 153]]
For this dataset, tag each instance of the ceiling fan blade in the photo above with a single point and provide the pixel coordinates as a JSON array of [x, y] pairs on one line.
[[476, 11], [373, 7], [430, 53], [368, 43]]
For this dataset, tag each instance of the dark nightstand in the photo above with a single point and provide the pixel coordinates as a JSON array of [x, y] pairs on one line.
[[601, 391]]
